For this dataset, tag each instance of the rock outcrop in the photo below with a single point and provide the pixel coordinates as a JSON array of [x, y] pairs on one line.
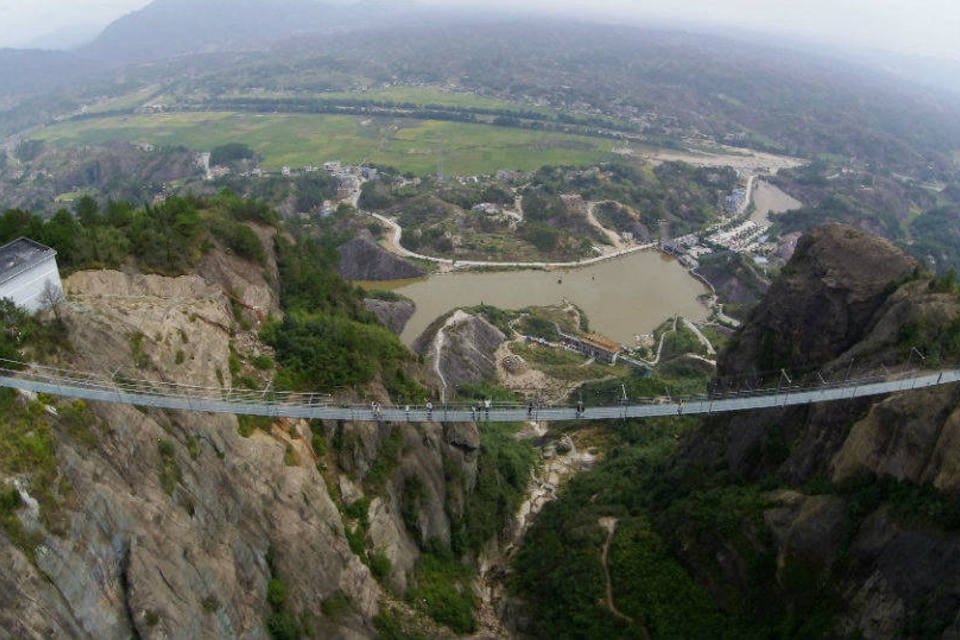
[[461, 348], [363, 259], [734, 278], [393, 314], [172, 525], [841, 308], [823, 303], [845, 299]]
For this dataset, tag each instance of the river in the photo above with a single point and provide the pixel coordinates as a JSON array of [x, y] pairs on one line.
[[622, 297]]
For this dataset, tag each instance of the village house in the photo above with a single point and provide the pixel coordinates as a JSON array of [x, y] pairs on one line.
[[594, 346]]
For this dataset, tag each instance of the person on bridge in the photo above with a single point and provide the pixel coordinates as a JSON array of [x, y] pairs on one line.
[[530, 409], [680, 408], [429, 410], [579, 408], [486, 408]]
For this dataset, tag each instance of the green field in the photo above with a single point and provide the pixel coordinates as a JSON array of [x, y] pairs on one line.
[[124, 102], [417, 146], [422, 96]]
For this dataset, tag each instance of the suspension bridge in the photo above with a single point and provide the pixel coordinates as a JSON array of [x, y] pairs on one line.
[[267, 403]]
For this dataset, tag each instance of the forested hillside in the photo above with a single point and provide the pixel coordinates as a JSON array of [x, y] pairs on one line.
[[835, 520]]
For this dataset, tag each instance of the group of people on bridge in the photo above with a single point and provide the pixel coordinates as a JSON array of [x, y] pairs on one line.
[[480, 409]]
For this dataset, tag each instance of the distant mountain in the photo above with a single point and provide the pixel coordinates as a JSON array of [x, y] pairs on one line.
[[167, 28], [33, 70], [939, 73], [788, 101], [66, 38]]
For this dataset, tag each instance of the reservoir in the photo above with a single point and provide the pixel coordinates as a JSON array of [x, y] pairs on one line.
[[622, 297]]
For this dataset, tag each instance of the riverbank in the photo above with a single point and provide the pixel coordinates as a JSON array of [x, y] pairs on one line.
[[395, 237], [623, 297]]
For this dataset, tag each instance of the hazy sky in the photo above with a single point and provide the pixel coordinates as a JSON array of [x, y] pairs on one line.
[[926, 27], [23, 21]]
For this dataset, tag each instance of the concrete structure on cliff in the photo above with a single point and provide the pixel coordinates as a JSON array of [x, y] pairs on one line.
[[29, 275]]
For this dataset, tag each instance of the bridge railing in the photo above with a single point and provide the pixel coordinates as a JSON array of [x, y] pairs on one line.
[[119, 385]]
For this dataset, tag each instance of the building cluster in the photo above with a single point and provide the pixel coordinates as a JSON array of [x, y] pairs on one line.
[[731, 233], [734, 203], [740, 237]]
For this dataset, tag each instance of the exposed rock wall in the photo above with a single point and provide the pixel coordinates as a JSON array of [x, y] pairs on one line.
[[394, 314], [363, 259], [824, 302], [847, 297], [176, 523], [461, 348]]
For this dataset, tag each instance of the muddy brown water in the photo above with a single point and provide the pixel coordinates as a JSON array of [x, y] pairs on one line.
[[622, 297], [770, 200]]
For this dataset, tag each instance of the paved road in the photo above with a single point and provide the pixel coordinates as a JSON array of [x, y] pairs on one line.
[[312, 406], [396, 235]]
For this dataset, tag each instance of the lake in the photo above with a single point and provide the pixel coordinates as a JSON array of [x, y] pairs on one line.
[[622, 297]]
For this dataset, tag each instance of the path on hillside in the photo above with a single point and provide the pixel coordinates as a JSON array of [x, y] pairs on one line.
[[611, 235], [702, 338], [656, 359], [745, 205], [395, 236], [610, 526]]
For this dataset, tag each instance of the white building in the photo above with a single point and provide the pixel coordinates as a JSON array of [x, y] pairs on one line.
[[26, 268]]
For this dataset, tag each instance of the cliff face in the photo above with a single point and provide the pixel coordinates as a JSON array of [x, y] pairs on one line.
[[460, 348], [823, 303], [872, 483], [177, 525], [363, 259], [393, 314], [846, 303]]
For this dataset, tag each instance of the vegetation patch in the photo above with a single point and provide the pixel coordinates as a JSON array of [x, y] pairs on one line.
[[392, 624], [563, 364], [440, 588], [246, 425], [169, 238], [388, 456], [357, 526], [140, 358], [170, 474], [280, 623], [468, 149], [504, 469], [328, 340], [28, 452]]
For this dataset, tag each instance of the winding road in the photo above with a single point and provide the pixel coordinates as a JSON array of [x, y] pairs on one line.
[[396, 235]]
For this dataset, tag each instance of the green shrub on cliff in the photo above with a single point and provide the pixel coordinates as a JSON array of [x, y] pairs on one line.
[[327, 339], [169, 238], [441, 588]]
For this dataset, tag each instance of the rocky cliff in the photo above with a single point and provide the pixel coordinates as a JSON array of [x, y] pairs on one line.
[[157, 524], [363, 259], [846, 302], [460, 348], [839, 520], [393, 314]]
